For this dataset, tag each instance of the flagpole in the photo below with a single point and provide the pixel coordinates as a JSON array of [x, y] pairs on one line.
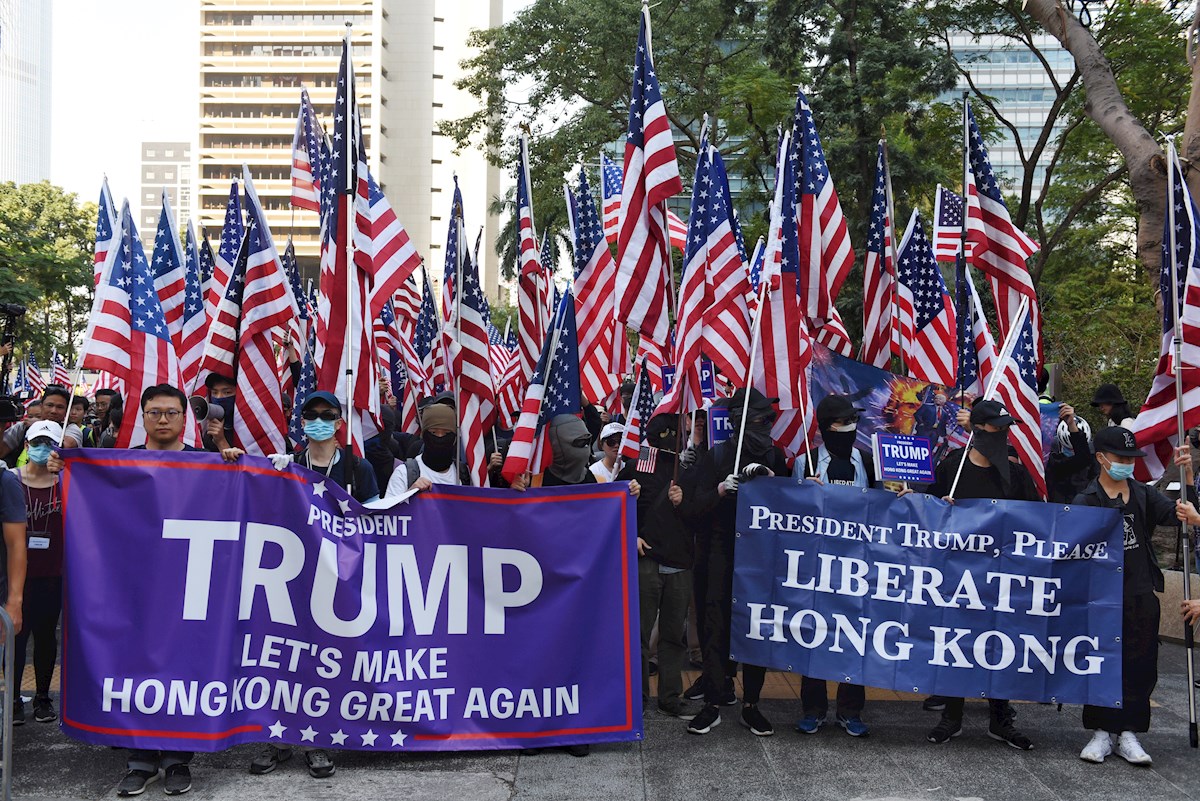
[[348, 189], [1185, 478], [893, 337], [960, 264], [457, 309], [1010, 343], [756, 336]]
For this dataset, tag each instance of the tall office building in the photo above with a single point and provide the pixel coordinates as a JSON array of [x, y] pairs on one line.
[[24, 90], [255, 55], [165, 165]]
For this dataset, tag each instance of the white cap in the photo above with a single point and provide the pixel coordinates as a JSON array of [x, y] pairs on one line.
[[610, 429], [44, 428]]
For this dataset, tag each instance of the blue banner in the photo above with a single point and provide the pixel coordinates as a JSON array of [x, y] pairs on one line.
[[211, 604], [981, 598]]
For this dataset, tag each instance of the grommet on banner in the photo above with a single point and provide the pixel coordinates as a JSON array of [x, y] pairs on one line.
[[847, 679], [1116, 639], [916, 689]]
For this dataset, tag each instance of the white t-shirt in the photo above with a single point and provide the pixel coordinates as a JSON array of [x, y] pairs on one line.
[[603, 474], [398, 483]]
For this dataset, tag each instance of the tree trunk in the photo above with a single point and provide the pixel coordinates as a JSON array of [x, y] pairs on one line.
[[1190, 147], [1107, 108]]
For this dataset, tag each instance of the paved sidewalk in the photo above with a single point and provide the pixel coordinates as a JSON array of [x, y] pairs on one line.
[[893, 764]]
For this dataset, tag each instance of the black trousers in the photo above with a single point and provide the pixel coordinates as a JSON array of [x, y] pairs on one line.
[[717, 608], [699, 598], [1139, 669], [814, 698], [40, 611]]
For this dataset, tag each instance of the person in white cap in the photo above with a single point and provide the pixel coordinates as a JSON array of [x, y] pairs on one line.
[[607, 468]]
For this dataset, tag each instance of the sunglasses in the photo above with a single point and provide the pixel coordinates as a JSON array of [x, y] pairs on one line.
[[613, 441], [42, 441], [329, 415]]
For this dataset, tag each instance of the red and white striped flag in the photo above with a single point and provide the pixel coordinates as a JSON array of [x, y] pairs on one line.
[[1016, 388], [383, 239], [231, 239], [879, 288], [641, 409], [127, 333], [947, 226], [33, 373], [595, 293], [195, 320], [532, 288], [306, 181], [408, 310], [107, 230], [925, 311], [58, 370], [170, 273], [610, 193], [651, 177]]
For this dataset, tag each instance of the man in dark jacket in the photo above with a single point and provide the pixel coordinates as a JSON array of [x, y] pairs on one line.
[[1070, 467], [666, 551], [710, 502], [1142, 508]]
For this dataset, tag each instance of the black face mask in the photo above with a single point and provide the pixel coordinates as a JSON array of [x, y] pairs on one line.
[[994, 446], [439, 451], [228, 405], [757, 443], [839, 443]]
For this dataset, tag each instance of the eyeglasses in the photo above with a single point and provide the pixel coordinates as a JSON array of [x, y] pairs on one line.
[[158, 414], [329, 415], [613, 441]]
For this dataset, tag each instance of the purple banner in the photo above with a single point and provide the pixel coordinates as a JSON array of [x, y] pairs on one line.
[[210, 604]]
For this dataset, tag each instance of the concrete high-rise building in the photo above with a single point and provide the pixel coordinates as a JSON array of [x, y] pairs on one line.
[[256, 55], [24, 90], [165, 165]]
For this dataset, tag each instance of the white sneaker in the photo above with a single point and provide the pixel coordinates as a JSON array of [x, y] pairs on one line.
[[1098, 748], [1129, 749]]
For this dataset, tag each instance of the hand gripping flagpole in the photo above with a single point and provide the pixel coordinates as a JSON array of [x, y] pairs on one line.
[[1010, 343], [1185, 478], [349, 188]]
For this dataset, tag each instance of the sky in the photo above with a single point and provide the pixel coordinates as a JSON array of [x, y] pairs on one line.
[[125, 72]]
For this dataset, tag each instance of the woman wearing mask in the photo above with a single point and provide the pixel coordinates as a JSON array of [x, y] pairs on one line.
[[44, 568], [608, 467]]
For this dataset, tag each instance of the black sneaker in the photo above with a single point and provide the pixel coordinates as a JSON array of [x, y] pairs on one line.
[[946, 729], [320, 765], [934, 703], [178, 780], [578, 750], [43, 709], [1002, 729], [729, 697], [18, 712], [696, 691], [136, 782], [679, 710], [756, 721], [268, 759], [706, 721]]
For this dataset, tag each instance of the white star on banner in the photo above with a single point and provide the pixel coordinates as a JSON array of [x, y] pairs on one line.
[[398, 738], [278, 729], [307, 734], [339, 737], [369, 738], [345, 506], [319, 489]]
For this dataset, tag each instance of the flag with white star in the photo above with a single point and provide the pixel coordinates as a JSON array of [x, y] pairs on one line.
[[924, 310]]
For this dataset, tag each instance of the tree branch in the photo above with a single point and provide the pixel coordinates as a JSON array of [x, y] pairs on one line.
[[1079, 205]]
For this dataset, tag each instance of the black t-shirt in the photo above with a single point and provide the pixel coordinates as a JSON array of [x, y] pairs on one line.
[[981, 482], [1137, 563]]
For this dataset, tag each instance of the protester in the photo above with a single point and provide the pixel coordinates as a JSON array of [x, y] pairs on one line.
[[44, 570], [222, 392], [835, 461], [382, 450], [33, 413], [610, 465], [55, 405], [1070, 467], [710, 501], [13, 518], [666, 551], [435, 464], [986, 472], [1142, 508], [1109, 401], [79, 409]]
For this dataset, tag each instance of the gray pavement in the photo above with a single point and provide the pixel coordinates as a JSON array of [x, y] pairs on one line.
[[893, 764]]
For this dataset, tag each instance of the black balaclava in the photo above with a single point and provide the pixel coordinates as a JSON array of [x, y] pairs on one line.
[[662, 432], [570, 448], [439, 451], [757, 444], [994, 446]]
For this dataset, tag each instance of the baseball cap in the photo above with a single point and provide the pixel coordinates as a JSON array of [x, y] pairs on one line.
[[322, 395], [1117, 441], [990, 412], [44, 428], [836, 407], [610, 429]]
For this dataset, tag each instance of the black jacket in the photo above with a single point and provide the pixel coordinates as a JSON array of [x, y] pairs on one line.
[[702, 504], [660, 524], [1067, 476], [1156, 510], [1020, 485]]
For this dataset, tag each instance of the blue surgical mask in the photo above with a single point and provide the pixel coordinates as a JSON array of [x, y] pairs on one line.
[[40, 454], [319, 430], [1119, 472]]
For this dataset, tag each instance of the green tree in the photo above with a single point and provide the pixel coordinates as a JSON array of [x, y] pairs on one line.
[[46, 244]]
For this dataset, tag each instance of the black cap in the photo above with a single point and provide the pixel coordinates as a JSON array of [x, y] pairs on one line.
[[990, 412], [1107, 393], [759, 404], [836, 407], [1117, 441]]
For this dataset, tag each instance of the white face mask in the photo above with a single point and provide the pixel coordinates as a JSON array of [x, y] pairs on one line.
[[846, 429]]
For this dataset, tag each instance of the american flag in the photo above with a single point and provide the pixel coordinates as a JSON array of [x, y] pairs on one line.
[[532, 289], [505, 369], [295, 336], [976, 347], [306, 385], [58, 370], [33, 376], [389, 350], [195, 320], [427, 344], [1016, 388], [21, 383], [207, 263], [925, 312], [999, 248], [407, 306], [345, 355], [655, 357], [266, 306], [879, 291], [610, 193], [947, 226], [756, 264], [727, 320], [450, 267], [554, 390], [306, 186], [652, 176], [595, 287], [647, 459], [231, 240], [393, 255], [1156, 425], [470, 360], [170, 272], [127, 332], [826, 255], [106, 231], [785, 347], [641, 409]]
